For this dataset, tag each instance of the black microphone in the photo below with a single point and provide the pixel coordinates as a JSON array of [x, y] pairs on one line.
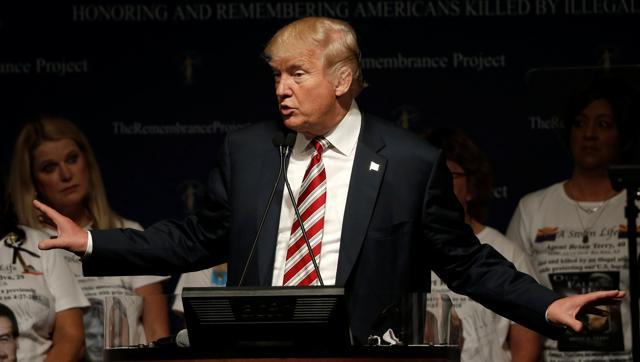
[[279, 141], [177, 340], [291, 139]]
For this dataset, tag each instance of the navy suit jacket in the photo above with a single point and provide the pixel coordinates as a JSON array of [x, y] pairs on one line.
[[400, 221]]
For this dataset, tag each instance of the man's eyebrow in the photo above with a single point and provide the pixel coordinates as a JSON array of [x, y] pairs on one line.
[[297, 65]]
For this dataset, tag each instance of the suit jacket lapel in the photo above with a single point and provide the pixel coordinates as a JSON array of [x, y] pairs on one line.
[[366, 178], [265, 249], [264, 253]]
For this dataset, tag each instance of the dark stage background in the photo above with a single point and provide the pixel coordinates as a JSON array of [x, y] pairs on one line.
[[156, 85]]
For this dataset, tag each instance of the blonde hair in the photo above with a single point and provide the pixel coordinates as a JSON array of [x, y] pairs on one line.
[[336, 39], [22, 189]]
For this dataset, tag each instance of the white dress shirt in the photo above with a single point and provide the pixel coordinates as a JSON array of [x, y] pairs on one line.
[[338, 162]]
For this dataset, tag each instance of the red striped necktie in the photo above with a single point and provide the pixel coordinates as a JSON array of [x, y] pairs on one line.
[[298, 269]]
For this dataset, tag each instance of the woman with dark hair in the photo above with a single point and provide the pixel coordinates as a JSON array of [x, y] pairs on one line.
[[614, 104], [575, 230], [42, 295], [486, 335]]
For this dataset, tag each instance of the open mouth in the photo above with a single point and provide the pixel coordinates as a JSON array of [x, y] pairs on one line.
[[286, 110]]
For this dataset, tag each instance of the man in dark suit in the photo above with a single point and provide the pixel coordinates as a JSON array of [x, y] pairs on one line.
[[376, 202]]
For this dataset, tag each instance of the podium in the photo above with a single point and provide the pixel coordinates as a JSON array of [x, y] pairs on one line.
[[266, 324]]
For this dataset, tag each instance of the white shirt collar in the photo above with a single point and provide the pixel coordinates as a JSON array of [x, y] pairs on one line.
[[343, 137]]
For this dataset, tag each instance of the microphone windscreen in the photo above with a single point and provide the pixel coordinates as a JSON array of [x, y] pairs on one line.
[[278, 139], [290, 140]]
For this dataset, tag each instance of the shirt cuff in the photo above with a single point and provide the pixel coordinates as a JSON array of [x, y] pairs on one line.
[[89, 250], [546, 317]]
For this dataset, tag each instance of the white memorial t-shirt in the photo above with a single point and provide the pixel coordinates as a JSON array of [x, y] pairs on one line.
[[579, 248], [35, 286]]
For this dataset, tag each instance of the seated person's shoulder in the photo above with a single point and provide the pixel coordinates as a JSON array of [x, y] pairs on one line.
[[536, 199], [130, 224], [33, 234]]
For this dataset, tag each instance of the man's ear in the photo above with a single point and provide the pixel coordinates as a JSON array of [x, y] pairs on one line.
[[344, 78]]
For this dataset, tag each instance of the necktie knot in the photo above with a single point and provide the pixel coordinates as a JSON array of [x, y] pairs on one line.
[[320, 144]]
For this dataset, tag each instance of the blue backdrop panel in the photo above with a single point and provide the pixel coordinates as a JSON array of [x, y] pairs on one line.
[[156, 86]]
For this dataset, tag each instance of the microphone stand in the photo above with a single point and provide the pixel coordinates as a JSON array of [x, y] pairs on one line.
[[278, 141], [628, 177]]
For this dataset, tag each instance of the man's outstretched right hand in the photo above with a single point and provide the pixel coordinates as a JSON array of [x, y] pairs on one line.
[[70, 237]]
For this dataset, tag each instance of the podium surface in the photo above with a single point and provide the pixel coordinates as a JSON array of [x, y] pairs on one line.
[[268, 354]]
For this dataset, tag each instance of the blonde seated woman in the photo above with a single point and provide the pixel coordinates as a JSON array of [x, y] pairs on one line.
[[53, 160]]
